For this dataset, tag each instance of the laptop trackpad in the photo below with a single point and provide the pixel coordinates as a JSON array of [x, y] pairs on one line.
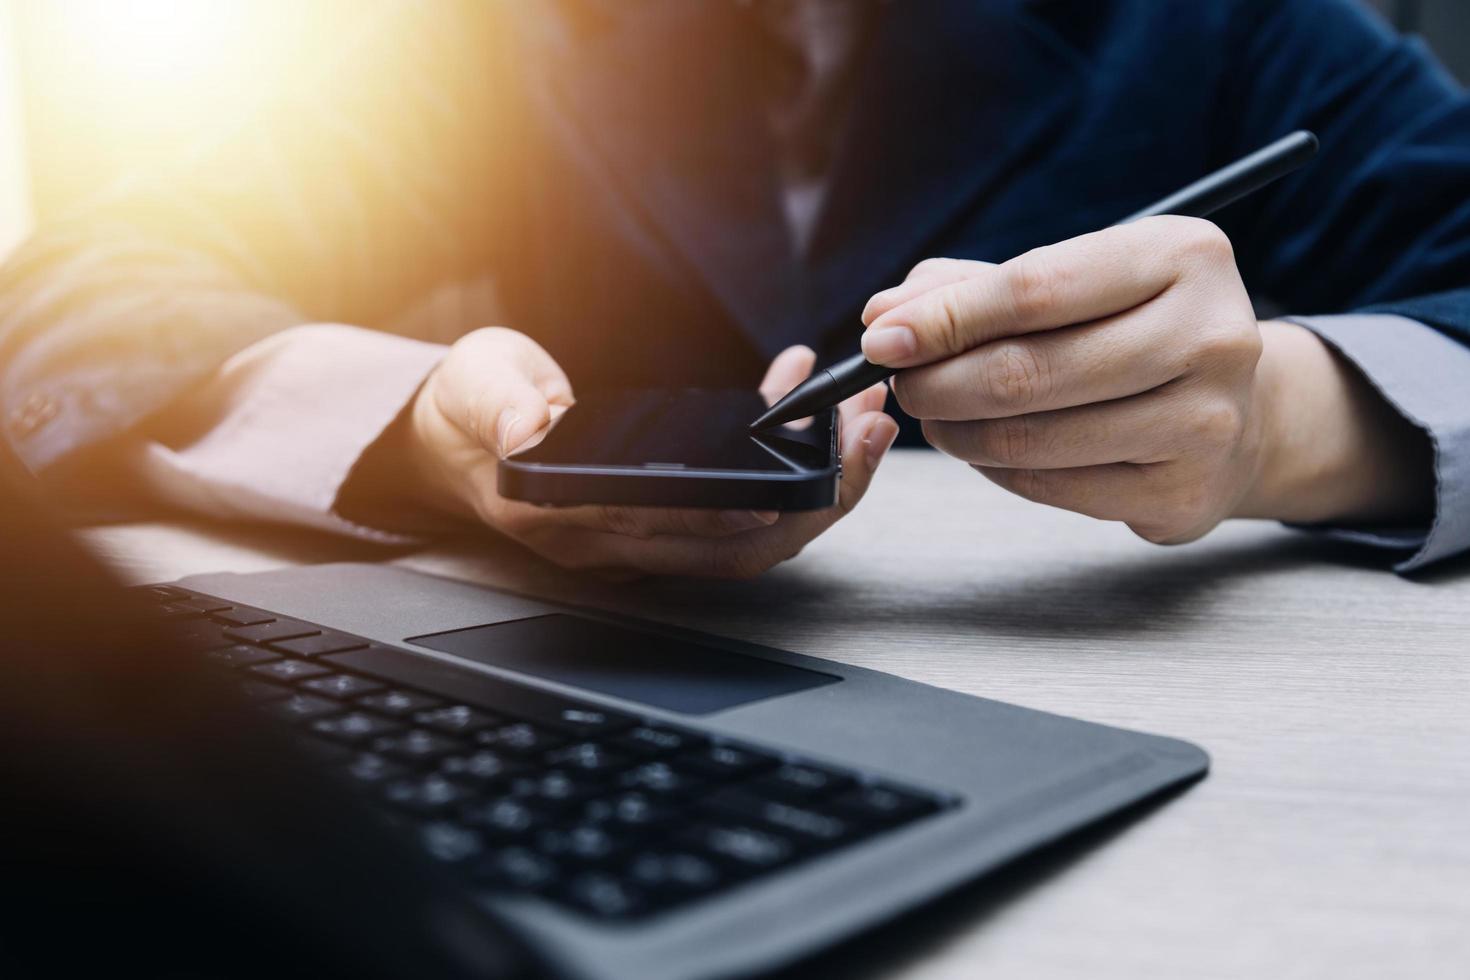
[[657, 670]]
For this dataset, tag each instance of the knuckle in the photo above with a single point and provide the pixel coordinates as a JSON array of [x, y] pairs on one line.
[[620, 521], [927, 267], [1013, 375], [1028, 484], [1218, 423], [1203, 240], [1230, 344], [1184, 511], [481, 416], [1006, 441], [1031, 288], [949, 321]]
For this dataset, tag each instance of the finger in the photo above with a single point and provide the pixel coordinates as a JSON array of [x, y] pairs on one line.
[[1145, 428], [1158, 503], [647, 522], [865, 441], [1072, 282], [1110, 358], [504, 391], [742, 555], [925, 276], [1114, 492], [790, 368], [869, 400]]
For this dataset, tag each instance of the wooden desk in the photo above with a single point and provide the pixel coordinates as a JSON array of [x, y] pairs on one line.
[[1332, 838]]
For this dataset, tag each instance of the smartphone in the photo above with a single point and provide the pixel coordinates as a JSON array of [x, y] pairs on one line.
[[687, 447]]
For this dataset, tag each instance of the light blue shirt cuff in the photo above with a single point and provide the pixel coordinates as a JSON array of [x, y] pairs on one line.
[[1426, 377]]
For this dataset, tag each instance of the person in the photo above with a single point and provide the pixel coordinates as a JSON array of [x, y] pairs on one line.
[[291, 326]]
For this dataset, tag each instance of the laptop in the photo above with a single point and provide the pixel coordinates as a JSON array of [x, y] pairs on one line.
[[384, 773]]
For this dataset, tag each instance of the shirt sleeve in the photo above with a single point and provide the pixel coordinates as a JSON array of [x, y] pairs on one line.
[[1425, 375], [275, 432]]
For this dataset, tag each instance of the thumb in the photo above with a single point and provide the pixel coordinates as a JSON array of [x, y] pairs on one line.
[[508, 389], [865, 442]]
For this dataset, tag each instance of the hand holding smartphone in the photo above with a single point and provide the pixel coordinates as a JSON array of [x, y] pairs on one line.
[[495, 434], [687, 447]]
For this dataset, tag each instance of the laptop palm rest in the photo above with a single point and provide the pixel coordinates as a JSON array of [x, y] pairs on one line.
[[646, 667]]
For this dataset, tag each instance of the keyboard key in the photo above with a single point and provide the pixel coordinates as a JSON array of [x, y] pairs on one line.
[[289, 671], [506, 817], [481, 767], [355, 727], [369, 767], [558, 788], [520, 738], [302, 707], [176, 610], [585, 843], [202, 605], [519, 869], [637, 810], [588, 756], [341, 686], [327, 641], [418, 745], [665, 779], [280, 629], [591, 721], [456, 719], [800, 782], [195, 635], [449, 842], [429, 794], [241, 656], [491, 694], [398, 703], [160, 593], [740, 845], [603, 895], [677, 872], [882, 804], [803, 824], [244, 616], [656, 740], [726, 761]]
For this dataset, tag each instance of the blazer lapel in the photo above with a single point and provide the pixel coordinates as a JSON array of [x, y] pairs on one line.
[[954, 95], [667, 97]]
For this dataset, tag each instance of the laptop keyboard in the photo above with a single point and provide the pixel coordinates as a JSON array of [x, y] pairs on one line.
[[525, 791]]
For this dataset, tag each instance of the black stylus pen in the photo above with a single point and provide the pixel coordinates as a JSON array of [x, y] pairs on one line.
[[833, 385]]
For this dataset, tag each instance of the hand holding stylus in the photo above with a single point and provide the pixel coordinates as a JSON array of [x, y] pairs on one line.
[[1123, 375]]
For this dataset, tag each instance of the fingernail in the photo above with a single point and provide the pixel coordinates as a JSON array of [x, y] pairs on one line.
[[505, 431], [870, 311], [888, 345], [875, 445]]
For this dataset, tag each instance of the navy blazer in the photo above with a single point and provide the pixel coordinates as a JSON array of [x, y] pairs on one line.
[[609, 164]]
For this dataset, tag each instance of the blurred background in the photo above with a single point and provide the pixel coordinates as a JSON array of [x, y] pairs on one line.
[[94, 88]]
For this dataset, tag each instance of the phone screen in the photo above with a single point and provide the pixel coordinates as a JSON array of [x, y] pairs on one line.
[[696, 428]]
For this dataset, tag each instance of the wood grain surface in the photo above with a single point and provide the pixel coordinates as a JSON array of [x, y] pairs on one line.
[[1332, 837]]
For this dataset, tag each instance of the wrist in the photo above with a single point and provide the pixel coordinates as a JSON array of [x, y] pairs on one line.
[[1332, 449], [395, 483]]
